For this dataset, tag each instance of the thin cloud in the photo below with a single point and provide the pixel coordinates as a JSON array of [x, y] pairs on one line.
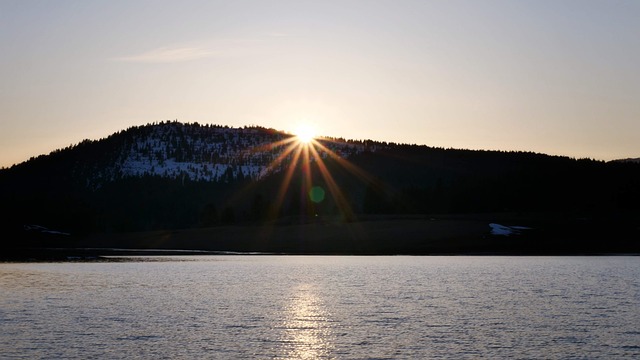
[[220, 48], [169, 55]]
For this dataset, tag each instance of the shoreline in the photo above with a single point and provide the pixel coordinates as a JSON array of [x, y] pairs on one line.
[[420, 235], [43, 255]]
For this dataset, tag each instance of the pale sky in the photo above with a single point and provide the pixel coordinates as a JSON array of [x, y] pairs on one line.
[[555, 77]]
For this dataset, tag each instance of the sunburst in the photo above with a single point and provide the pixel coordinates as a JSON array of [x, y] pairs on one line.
[[305, 133], [302, 152]]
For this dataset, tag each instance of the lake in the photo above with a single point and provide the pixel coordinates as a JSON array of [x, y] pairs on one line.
[[308, 307]]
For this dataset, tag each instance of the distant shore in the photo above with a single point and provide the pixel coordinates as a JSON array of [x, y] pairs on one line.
[[370, 235]]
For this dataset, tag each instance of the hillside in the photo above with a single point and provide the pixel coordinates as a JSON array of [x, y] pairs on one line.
[[169, 175]]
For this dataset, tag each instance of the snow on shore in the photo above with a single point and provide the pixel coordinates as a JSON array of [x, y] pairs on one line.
[[503, 230]]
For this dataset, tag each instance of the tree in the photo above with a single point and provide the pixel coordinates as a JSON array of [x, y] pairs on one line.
[[228, 215], [209, 215], [258, 208]]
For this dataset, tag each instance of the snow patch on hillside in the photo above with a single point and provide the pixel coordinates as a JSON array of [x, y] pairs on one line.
[[175, 150]]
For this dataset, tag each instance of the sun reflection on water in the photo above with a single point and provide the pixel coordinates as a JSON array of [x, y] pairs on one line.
[[308, 326]]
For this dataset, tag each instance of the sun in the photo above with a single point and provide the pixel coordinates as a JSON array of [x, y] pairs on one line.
[[305, 133]]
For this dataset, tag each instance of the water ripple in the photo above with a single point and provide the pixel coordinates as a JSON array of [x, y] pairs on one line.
[[276, 307]]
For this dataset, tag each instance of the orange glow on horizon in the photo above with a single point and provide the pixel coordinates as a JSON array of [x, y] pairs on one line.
[[305, 133]]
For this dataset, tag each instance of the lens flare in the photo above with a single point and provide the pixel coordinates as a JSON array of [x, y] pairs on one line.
[[316, 194], [304, 153]]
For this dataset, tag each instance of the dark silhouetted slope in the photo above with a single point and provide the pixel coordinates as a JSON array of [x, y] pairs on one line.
[[170, 175]]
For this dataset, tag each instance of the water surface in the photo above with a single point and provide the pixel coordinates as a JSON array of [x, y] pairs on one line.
[[397, 307]]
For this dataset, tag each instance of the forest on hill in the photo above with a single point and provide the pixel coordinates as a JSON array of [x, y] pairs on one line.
[[216, 176]]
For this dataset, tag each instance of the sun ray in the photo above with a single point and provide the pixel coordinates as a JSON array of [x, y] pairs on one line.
[[274, 210], [285, 183], [360, 173], [366, 178], [334, 189], [277, 161], [272, 165], [306, 174], [301, 153]]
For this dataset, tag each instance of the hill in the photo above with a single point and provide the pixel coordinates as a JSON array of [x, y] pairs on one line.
[[172, 176]]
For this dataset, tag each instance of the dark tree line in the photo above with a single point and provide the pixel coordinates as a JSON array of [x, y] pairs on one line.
[[73, 189]]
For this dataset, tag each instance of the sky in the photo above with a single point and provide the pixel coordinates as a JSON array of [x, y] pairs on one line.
[[560, 77]]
